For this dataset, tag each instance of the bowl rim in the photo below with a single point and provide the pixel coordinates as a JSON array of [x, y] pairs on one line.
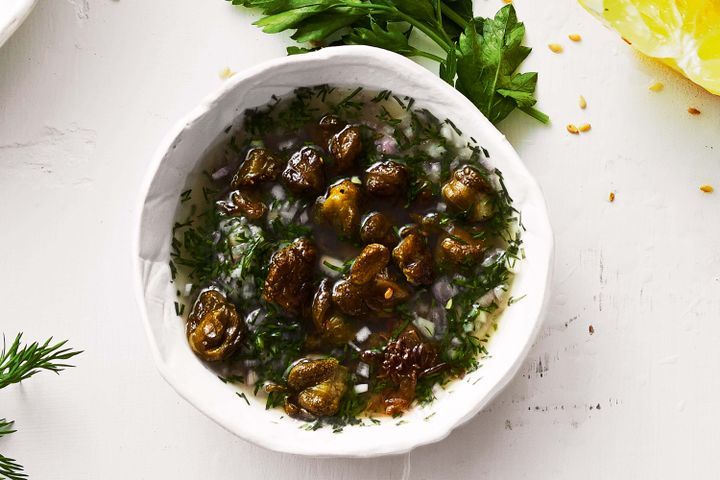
[[391, 60], [12, 16]]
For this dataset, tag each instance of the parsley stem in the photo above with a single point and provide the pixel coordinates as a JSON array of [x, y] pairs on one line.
[[453, 15], [536, 114], [427, 31], [424, 54], [433, 35]]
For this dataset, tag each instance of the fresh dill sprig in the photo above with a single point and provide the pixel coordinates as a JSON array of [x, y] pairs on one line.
[[18, 363], [10, 469], [6, 427]]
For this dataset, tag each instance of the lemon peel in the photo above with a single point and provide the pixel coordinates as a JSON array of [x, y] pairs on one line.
[[684, 34]]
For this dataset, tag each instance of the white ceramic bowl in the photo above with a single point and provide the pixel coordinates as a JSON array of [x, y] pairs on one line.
[[176, 160], [12, 14]]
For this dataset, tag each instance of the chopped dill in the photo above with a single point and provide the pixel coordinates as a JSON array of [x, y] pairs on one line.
[[232, 379], [233, 254]]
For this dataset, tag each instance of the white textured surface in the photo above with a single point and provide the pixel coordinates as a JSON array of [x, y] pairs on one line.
[[12, 14], [88, 89]]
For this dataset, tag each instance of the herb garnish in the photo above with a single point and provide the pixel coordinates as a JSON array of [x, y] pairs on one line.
[[232, 253], [479, 55], [20, 362]]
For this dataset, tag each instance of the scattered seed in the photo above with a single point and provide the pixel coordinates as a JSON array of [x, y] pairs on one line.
[[656, 87], [507, 1], [591, 329], [572, 129], [555, 47], [585, 127], [582, 102], [575, 37], [388, 293], [611, 197], [226, 73], [707, 188], [693, 111]]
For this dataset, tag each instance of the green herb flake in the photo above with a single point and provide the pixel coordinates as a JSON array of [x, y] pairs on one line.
[[243, 396]]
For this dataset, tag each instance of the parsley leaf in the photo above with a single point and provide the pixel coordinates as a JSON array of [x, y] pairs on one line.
[[478, 56], [490, 53], [377, 36]]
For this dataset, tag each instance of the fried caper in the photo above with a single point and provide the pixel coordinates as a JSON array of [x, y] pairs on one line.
[[341, 208], [385, 293], [318, 385], [345, 148], [331, 326], [243, 203], [260, 165], [371, 261], [459, 247], [214, 328], [468, 191], [377, 228], [304, 174], [414, 258], [349, 298], [386, 179], [289, 278]]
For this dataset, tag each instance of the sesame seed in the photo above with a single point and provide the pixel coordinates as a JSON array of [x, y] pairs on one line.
[[388, 293], [656, 87], [693, 111], [591, 329], [575, 37], [585, 127], [582, 102], [572, 129], [611, 197], [707, 188], [226, 73], [555, 47]]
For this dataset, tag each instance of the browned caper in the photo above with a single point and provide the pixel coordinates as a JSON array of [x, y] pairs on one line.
[[214, 328], [331, 326], [349, 298], [386, 179], [319, 385], [345, 148], [304, 174], [413, 257], [260, 165], [377, 228], [341, 208], [289, 279], [468, 191], [243, 203], [371, 261], [459, 247]]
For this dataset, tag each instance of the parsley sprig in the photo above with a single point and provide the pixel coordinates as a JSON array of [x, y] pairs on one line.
[[479, 56]]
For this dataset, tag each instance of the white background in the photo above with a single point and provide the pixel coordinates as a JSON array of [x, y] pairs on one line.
[[87, 90]]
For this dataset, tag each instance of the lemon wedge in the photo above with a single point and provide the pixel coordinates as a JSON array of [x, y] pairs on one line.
[[684, 34]]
